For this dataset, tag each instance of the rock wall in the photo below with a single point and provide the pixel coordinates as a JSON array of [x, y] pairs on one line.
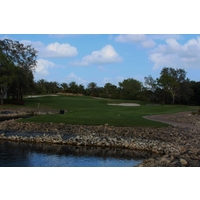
[[174, 146]]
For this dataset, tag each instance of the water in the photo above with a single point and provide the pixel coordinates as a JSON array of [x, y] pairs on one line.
[[18, 154]]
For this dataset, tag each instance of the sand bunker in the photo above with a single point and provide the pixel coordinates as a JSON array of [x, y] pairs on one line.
[[123, 104], [36, 96]]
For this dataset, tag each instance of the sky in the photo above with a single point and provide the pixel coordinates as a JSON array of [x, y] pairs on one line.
[[110, 58]]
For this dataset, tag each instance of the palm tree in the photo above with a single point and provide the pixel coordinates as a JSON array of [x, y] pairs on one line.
[[92, 87]]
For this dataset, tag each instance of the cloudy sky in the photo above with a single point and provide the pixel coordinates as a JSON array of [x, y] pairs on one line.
[[98, 41], [104, 58]]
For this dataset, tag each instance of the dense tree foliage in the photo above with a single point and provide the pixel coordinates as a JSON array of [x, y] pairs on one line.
[[7, 75], [110, 91], [92, 89], [130, 88], [170, 81], [17, 63], [173, 87]]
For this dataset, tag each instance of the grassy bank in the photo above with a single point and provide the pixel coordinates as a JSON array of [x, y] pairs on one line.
[[94, 111]]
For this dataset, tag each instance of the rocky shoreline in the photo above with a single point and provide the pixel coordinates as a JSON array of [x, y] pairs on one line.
[[172, 146]]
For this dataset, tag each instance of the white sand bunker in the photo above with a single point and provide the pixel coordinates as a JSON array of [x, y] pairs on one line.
[[36, 96], [123, 104]]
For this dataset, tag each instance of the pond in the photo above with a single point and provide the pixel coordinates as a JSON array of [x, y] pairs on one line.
[[21, 154]]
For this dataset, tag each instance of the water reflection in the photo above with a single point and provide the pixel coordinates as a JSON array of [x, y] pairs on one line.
[[20, 154]]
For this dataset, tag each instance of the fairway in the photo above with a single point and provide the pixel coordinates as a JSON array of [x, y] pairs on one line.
[[95, 111]]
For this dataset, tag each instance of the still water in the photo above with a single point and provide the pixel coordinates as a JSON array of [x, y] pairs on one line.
[[18, 154]]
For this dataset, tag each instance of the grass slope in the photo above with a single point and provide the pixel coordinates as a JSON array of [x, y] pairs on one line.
[[94, 111]]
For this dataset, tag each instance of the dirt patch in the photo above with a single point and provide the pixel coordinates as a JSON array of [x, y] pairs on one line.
[[182, 119]]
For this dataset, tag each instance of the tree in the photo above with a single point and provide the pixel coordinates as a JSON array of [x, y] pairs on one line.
[[52, 87], [24, 61], [91, 87], [7, 75], [170, 81], [110, 90], [21, 55], [73, 87], [150, 89], [195, 98], [185, 93], [150, 83], [130, 88], [81, 89], [23, 83], [64, 86], [40, 87]]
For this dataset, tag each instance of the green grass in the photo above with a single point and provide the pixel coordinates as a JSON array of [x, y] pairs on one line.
[[91, 111]]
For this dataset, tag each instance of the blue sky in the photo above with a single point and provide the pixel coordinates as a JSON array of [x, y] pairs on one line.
[[104, 58]]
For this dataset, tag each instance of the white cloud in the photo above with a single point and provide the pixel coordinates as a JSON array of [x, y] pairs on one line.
[[53, 50], [42, 67], [60, 50], [72, 77], [173, 54], [141, 39], [148, 43], [106, 55]]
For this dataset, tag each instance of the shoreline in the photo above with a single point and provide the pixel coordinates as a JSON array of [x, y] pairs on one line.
[[174, 146]]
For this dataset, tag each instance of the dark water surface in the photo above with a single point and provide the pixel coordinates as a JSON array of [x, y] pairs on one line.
[[21, 154]]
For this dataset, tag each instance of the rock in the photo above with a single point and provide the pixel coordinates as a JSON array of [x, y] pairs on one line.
[[2, 134], [194, 157], [13, 137], [183, 162]]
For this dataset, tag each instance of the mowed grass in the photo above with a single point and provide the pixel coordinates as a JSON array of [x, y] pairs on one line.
[[93, 111]]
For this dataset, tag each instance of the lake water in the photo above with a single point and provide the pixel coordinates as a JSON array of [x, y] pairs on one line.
[[21, 154]]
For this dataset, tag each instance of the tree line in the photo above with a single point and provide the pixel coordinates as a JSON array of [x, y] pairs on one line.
[[17, 64], [172, 87]]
